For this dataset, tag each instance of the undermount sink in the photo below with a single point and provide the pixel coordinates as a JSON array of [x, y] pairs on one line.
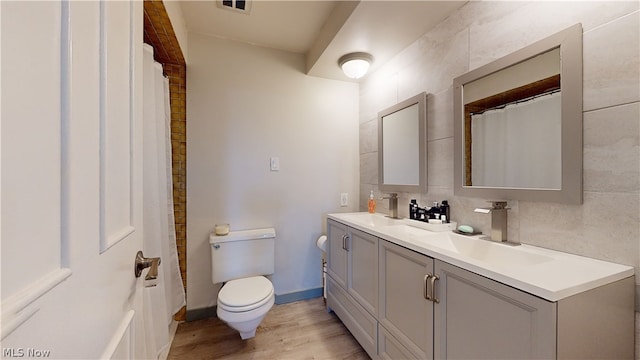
[[371, 220], [472, 247], [407, 230], [488, 251]]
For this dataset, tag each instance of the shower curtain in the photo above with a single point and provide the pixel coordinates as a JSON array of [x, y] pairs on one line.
[[162, 301], [517, 146]]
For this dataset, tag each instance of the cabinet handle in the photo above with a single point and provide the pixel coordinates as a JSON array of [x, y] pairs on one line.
[[425, 286], [433, 289], [345, 244]]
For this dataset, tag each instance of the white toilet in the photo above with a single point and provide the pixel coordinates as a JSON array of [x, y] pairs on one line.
[[240, 259]]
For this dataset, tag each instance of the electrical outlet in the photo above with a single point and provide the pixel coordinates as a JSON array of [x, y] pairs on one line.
[[344, 199]]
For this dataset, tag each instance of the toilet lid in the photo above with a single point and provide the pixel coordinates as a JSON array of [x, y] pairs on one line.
[[246, 293]]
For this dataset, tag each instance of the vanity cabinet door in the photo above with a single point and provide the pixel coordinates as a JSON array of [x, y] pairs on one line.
[[404, 312], [352, 284], [478, 318], [363, 269], [361, 324], [337, 252]]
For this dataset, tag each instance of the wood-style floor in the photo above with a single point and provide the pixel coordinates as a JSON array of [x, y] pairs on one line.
[[299, 330]]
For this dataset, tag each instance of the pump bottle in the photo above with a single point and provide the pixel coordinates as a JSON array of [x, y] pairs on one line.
[[446, 211], [372, 203]]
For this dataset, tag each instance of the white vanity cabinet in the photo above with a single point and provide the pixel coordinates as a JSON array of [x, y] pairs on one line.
[[353, 263], [478, 318], [352, 284], [405, 315], [337, 252], [400, 303], [456, 314], [473, 317]]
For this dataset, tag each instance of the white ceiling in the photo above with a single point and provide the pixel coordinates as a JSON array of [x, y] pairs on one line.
[[322, 30]]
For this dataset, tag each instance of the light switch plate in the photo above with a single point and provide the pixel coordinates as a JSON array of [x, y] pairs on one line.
[[344, 199], [274, 164]]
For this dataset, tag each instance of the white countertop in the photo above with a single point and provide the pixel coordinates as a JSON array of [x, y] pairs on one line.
[[549, 274]]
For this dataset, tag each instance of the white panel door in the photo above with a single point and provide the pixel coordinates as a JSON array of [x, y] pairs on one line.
[[71, 214]]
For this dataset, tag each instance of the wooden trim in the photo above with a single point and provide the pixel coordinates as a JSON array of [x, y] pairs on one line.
[[539, 87]]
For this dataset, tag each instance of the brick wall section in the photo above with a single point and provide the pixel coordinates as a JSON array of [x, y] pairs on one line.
[[158, 32], [178, 99]]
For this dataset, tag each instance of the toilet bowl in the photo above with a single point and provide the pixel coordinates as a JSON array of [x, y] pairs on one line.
[[240, 260], [243, 303]]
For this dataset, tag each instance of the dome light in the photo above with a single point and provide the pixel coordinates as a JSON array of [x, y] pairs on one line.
[[355, 65]]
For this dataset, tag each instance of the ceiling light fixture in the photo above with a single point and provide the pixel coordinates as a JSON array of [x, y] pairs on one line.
[[355, 65]]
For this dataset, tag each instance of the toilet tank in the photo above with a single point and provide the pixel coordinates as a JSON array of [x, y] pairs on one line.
[[242, 254]]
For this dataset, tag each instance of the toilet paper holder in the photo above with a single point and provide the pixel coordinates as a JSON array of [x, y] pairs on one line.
[[321, 243]]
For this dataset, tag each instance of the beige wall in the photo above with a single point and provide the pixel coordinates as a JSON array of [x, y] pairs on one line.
[[607, 225], [246, 104]]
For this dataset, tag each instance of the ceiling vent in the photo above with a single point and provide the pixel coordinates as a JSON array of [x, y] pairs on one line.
[[241, 6]]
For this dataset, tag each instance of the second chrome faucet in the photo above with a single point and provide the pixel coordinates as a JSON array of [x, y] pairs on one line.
[[393, 205], [498, 212]]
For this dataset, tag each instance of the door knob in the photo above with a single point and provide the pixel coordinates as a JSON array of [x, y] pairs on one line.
[[143, 263]]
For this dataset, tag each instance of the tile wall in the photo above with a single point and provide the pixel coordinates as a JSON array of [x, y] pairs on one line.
[[607, 225]]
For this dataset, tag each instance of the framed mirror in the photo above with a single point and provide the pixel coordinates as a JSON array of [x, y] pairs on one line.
[[518, 124], [402, 146]]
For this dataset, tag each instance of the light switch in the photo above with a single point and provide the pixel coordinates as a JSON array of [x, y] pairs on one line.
[[275, 164], [344, 199]]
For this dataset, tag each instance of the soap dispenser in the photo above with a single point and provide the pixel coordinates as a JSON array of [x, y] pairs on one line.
[[434, 211], [413, 209], [445, 211], [372, 203]]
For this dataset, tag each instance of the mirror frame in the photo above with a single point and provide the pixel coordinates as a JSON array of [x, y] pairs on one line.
[[570, 43], [421, 101]]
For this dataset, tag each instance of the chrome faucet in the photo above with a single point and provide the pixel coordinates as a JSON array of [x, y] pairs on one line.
[[498, 212], [393, 205]]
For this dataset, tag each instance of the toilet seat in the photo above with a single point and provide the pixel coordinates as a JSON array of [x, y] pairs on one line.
[[245, 294]]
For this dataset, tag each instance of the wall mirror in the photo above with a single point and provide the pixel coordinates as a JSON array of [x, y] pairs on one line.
[[402, 146], [518, 124]]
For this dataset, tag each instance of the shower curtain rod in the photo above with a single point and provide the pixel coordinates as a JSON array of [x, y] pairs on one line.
[[502, 106]]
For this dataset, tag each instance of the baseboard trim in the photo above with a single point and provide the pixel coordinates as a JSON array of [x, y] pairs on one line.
[[201, 314], [298, 295], [210, 312]]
